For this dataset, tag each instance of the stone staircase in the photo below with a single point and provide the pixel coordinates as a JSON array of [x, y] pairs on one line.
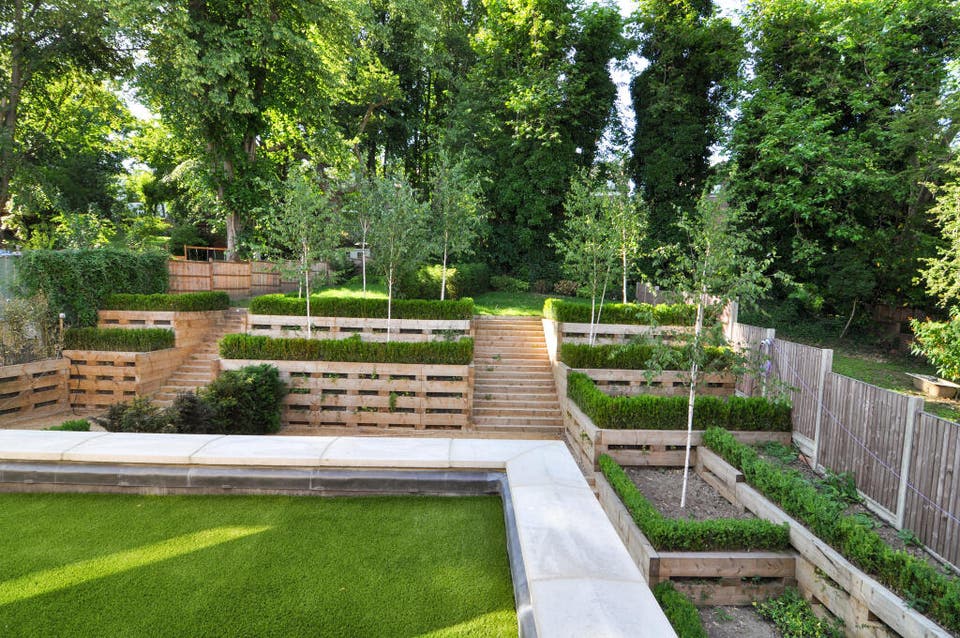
[[513, 391], [201, 367]]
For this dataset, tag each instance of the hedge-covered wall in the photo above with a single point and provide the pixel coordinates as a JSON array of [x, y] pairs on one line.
[[185, 302], [362, 307], [239, 346], [639, 356], [641, 314], [118, 339]]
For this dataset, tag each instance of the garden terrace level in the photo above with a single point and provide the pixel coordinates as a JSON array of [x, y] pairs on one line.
[[578, 578]]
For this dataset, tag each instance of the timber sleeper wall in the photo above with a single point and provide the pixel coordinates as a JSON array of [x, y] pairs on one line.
[[669, 383], [190, 328], [33, 389], [99, 379], [328, 395], [410, 330]]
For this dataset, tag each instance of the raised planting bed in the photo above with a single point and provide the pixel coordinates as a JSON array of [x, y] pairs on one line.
[[363, 307], [408, 330], [669, 383], [190, 328], [331, 396], [100, 378], [33, 389]]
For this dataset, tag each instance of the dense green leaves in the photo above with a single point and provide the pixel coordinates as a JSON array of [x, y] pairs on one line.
[[634, 314], [362, 307], [239, 346], [118, 339], [939, 342], [185, 302], [682, 614], [640, 356]]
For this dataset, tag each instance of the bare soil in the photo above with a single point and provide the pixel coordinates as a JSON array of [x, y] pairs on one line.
[[662, 487], [736, 622]]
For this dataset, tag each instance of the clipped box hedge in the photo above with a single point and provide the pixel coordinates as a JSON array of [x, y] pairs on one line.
[[679, 610], [118, 339], [682, 535], [637, 356], [645, 412], [240, 346], [641, 314], [928, 589], [362, 307], [186, 302]]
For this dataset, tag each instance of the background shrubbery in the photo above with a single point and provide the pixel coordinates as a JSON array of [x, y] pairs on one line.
[[463, 280], [362, 307], [646, 412], [118, 339], [185, 302], [640, 356], [239, 346], [623, 313]]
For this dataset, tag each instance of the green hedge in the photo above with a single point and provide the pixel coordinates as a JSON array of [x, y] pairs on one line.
[[186, 302], [679, 610], [362, 307], [927, 589], [463, 280], [625, 313], [637, 356], [646, 412], [239, 346], [681, 535], [77, 281], [118, 339]]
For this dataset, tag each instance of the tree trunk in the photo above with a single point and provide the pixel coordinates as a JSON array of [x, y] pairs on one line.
[[693, 395], [8, 133], [443, 274], [306, 278], [363, 257], [389, 301], [623, 254]]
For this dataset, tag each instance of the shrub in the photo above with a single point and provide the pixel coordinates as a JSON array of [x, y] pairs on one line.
[[73, 425], [362, 307], [118, 339], [939, 342], [682, 614], [29, 331], [642, 314], [77, 281], [186, 302], [646, 412], [139, 415], [681, 535], [240, 346], [190, 414], [928, 590], [794, 617], [566, 288], [637, 356], [505, 283], [186, 235], [246, 401], [463, 280]]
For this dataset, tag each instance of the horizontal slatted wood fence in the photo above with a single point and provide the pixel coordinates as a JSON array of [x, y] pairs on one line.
[[99, 379], [33, 389], [410, 330], [237, 278]]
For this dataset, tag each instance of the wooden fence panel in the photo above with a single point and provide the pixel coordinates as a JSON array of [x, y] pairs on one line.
[[747, 339], [933, 494], [803, 369], [33, 389], [231, 276]]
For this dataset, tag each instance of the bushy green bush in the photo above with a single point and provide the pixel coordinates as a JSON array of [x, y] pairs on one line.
[[240, 346], [638, 356], [679, 610], [939, 342], [362, 307], [118, 339], [77, 281], [139, 415], [73, 425], [505, 283], [929, 590], [646, 412], [463, 280], [185, 302], [794, 617], [641, 314], [681, 535]]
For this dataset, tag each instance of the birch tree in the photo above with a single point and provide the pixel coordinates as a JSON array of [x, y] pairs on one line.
[[457, 210]]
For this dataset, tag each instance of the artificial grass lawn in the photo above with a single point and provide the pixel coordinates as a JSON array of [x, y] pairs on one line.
[[119, 565]]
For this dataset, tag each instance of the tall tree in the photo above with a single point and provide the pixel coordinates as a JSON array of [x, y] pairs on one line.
[[457, 209], [681, 100]]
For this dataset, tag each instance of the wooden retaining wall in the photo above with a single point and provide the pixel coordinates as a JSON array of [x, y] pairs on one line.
[[607, 333], [409, 330], [100, 379], [33, 389], [330, 396], [190, 328], [670, 383]]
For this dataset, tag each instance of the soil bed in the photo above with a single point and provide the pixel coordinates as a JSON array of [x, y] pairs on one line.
[[662, 486], [736, 622]]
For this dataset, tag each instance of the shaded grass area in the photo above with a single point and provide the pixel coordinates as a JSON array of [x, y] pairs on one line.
[[510, 304], [118, 565]]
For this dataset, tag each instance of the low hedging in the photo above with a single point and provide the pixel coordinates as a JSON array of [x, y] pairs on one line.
[[186, 302], [640, 356], [681, 535], [118, 339], [926, 588], [362, 307], [240, 346], [463, 280], [646, 412], [624, 313], [679, 610]]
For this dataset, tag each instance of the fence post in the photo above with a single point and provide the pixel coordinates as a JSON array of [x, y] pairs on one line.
[[913, 413], [826, 366]]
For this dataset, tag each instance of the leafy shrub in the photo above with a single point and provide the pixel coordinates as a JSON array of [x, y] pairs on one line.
[[682, 614], [186, 235], [73, 425], [566, 288], [139, 415], [240, 346], [463, 280], [794, 617], [190, 414], [939, 342], [246, 401], [646, 412], [506, 283], [118, 339], [185, 302], [929, 590], [638, 356], [77, 281], [362, 307], [29, 330], [641, 314], [681, 535]]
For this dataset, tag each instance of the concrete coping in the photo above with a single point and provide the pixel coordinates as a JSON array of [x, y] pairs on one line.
[[580, 578]]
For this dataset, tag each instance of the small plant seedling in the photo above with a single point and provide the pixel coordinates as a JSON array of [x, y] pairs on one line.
[[785, 454], [909, 538], [722, 615], [865, 520]]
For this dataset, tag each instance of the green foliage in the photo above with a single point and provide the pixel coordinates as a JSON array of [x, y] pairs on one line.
[[29, 330], [246, 401], [463, 280], [77, 281], [681, 535], [646, 412], [118, 339], [73, 425], [942, 273], [184, 302], [364, 307], [184, 235], [566, 311], [930, 591], [682, 614], [794, 617], [239, 346], [505, 283], [139, 415], [939, 342], [637, 356]]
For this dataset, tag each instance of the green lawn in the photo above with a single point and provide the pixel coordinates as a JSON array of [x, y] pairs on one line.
[[117, 565], [510, 304]]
